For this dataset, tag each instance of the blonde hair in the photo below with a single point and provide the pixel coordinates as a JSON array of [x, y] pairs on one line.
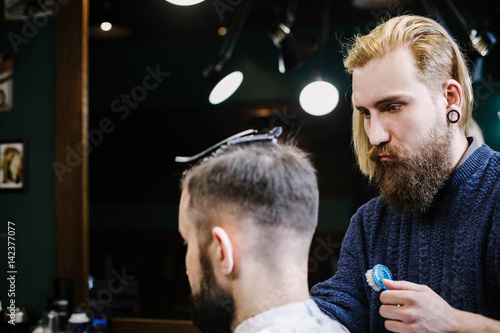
[[438, 58]]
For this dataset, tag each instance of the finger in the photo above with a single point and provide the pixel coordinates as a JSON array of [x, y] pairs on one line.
[[403, 285], [397, 326], [393, 312], [402, 297]]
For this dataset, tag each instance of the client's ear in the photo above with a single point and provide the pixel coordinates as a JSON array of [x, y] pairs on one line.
[[224, 250]]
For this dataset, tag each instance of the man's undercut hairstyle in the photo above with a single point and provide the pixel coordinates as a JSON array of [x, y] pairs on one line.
[[438, 58], [260, 185]]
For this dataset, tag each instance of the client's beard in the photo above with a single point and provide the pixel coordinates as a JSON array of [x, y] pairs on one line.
[[412, 181], [212, 307]]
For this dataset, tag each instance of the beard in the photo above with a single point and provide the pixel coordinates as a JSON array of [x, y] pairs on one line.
[[212, 307], [411, 182]]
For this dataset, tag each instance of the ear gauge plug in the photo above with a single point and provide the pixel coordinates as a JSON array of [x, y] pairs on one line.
[[453, 116]]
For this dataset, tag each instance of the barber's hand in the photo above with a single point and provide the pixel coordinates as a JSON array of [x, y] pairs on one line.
[[420, 309]]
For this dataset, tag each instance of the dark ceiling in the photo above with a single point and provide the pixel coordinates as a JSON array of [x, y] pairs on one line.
[[160, 20]]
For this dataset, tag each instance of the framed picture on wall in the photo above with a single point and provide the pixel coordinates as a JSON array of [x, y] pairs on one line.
[[14, 163], [6, 82]]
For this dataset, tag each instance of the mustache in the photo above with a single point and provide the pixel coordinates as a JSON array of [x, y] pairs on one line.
[[386, 150]]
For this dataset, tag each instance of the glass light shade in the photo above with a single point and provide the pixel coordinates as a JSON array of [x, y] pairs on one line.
[[225, 87], [185, 2], [319, 98], [106, 26]]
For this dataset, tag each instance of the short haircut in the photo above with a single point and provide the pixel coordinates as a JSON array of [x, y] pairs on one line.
[[437, 56], [268, 186]]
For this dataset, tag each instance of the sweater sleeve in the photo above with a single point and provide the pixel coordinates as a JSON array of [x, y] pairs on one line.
[[495, 243], [493, 258], [343, 296]]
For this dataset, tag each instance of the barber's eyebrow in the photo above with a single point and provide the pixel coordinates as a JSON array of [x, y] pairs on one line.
[[402, 97]]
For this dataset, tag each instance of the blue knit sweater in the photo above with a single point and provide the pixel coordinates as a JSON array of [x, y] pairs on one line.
[[454, 249]]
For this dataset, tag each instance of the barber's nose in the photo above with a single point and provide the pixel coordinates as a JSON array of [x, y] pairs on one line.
[[377, 131]]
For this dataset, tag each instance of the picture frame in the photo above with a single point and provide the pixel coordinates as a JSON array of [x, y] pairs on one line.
[[13, 165]]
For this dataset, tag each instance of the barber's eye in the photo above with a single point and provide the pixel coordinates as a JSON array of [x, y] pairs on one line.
[[365, 114]]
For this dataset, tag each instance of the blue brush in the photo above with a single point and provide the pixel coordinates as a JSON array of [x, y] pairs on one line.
[[375, 276]]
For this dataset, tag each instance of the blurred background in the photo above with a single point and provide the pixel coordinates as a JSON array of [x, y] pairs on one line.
[[152, 66], [133, 177]]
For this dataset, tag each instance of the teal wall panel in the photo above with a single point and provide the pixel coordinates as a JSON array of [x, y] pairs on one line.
[[33, 212]]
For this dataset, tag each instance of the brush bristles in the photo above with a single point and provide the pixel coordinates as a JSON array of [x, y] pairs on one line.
[[371, 282]]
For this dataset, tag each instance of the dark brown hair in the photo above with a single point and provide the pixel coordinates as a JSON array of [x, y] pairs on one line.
[[262, 185]]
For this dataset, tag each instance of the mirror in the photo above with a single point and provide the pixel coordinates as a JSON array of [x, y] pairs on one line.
[[149, 103]]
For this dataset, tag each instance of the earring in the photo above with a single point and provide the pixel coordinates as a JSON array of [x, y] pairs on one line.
[[453, 116]]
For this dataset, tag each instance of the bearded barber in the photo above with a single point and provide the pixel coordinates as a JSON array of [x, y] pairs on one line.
[[436, 224]]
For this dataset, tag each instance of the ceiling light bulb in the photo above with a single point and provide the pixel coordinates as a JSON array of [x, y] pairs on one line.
[[185, 2], [222, 31], [225, 87], [106, 26], [319, 98]]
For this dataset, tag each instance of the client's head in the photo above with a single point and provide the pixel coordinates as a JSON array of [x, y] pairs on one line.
[[251, 207]]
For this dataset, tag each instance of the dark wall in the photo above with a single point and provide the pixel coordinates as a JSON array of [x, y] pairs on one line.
[[33, 212]]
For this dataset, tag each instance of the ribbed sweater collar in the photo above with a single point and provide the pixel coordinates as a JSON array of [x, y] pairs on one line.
[[476, 161]]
